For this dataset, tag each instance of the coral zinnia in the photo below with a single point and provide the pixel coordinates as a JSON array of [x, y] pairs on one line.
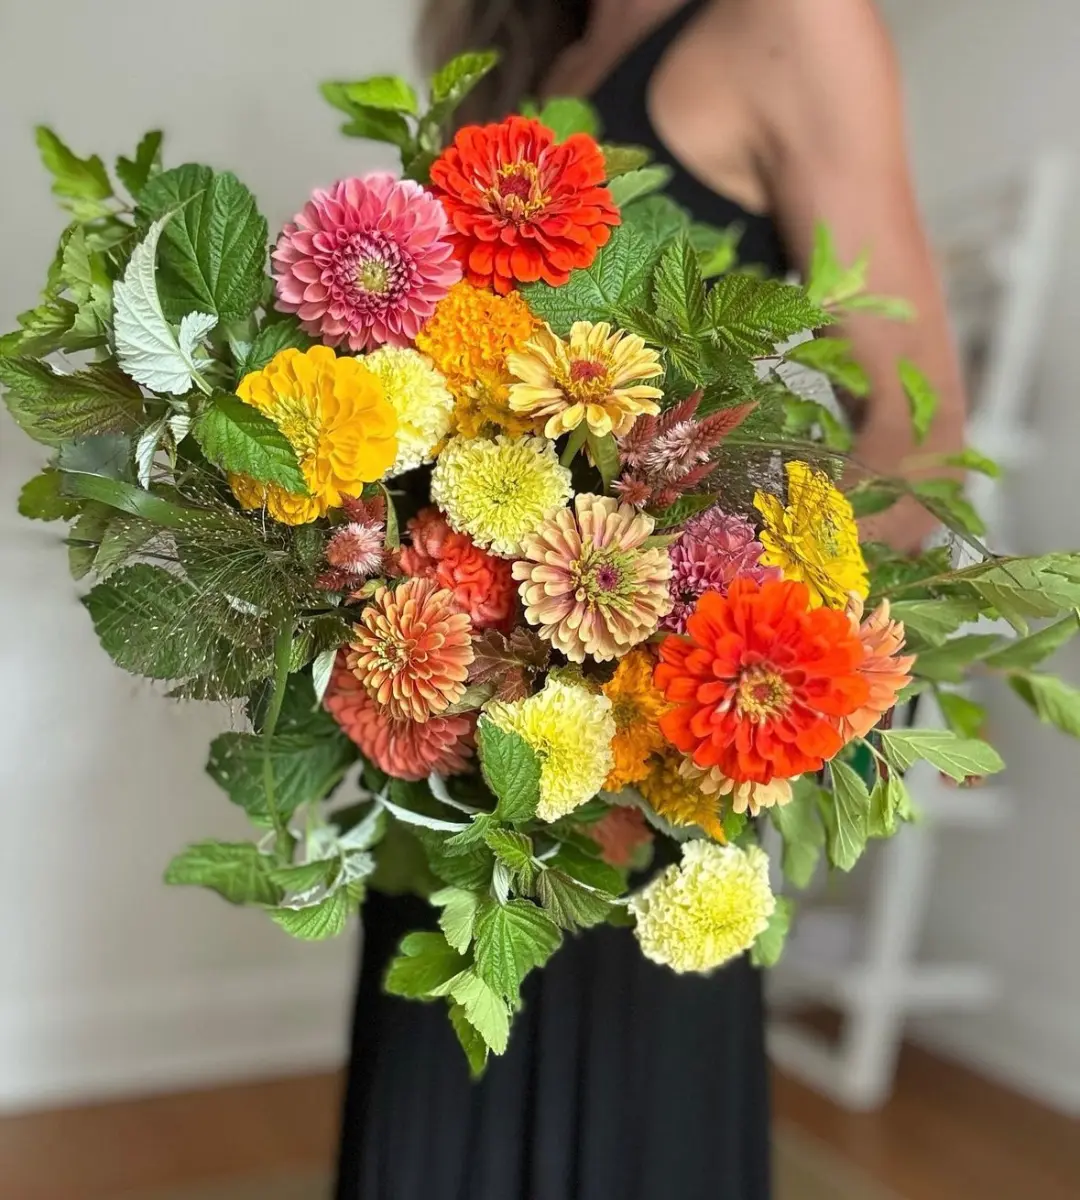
[[569, 729], [708, 909], [400, 747], [884, 668], [587, 581], [412, 649], [482, 584], [421, 399], [365, 262], [335, 416], [522, 206], [619, 833], [760, 681], [468, 337], [714, 549], [595, 377], [636, 707], [814, 538], [679, 799], [498, 492]]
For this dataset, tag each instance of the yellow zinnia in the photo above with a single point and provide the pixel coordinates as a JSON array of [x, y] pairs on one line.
[[814, 538], [334, 414], [594, 377]]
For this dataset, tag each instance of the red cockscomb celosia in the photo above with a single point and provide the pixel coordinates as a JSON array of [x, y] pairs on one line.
[[482, 584], [761, 681], [522, 206], [400, 747]]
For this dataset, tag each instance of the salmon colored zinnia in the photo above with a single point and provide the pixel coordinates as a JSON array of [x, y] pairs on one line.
[[884, 668], [761, 681], [522, 206]]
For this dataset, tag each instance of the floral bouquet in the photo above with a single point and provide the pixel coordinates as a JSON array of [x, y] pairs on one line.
[[534, 585]]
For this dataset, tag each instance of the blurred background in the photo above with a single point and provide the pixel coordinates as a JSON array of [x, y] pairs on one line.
[[113, 987]]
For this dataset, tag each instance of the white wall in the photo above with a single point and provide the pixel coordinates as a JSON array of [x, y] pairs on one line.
[[107, 978], [989, 82]]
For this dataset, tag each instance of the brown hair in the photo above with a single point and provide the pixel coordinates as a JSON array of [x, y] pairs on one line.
[[529, 35]]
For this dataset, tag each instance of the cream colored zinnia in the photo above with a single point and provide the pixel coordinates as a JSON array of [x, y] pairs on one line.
[[596, 377], [570, 729], [420, 397], [706, 910]]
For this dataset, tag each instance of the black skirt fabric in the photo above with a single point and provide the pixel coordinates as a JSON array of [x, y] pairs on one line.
[[623, 1081]]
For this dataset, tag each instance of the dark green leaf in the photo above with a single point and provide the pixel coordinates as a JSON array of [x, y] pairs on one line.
[[41, 499], [126, 497], [54, 408], [678, 287], [271, 340], [570, 904], [511, 939], [135, 172], [1054, 701], [959, 758], [316, 922], [922, 399], [511, 769], [378, 125], [1034, 649], [768, 948], [751, 316], [238, 438], [589, 869], [235, 870], [633, 185], [682, 510], [515, 851], [867, 499], [846, 815], [425, 962]]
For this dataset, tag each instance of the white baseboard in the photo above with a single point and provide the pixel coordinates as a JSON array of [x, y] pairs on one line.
[[228, 1026]]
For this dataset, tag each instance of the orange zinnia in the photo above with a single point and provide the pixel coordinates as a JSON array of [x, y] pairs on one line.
[[760, 681], [523, 207]]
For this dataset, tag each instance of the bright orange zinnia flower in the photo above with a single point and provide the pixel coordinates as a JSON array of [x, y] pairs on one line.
[[523, 207], [760, 681]]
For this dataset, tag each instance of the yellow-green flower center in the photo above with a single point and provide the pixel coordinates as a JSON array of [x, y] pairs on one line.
[[761, 694], [373, 276]]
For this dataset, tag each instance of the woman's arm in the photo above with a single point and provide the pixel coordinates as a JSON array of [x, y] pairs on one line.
[[829, 104]]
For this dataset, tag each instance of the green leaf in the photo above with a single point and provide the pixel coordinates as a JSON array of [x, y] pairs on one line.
[[458, 915], [678, 288], [570, 904], [238, 438], [633, 185], [589, 869], [682, 510], [959, 758], [935, 620], [235, 870], [870, 498], [1020, 589], [657, 218], [126, 497], [964, 717], [148, 349], [769, 946], [511, 939], [830, 282], [472, 1042], [718, 249], [55, 408], [300, 877], [453, 82], [620, 159], [566, 115], [511, 769], [618, 278], [316, 922], [42, 330], [213, 255], [751, 316], [891, 307], [515, 851], [424, 962], [604, 452], [305, 767], [922, 399], [81, 184], [485, 1010], [390, 92], [972, 460], [888, 802], [800, 828], [833, 357], [271, 340], [949, 663], [802, 418], [1037, 647], [41, 499], [1054, 701], [846, 815], [378, 125], [945, 499], [135, 172]]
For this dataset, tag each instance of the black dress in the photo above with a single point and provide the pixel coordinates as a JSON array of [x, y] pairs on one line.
[[623, 1081]]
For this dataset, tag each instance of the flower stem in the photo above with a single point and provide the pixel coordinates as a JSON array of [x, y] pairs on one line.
[[574, 444], [282, 652]]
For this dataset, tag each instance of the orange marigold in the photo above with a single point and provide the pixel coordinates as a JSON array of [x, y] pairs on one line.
[[523, 207], [636, 706], [412, 649], [680, 799], [760, 682], [885, 669]]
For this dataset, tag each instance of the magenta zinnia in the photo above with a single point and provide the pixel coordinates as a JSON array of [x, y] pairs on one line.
[[365, 262], [589, 583]]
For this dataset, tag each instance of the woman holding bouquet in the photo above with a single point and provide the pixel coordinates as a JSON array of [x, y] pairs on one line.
[[624, 1080]]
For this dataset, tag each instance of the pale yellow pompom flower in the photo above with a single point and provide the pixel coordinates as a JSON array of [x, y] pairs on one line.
[[418, 393]]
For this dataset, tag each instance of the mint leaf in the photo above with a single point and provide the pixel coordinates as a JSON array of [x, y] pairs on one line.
[[769, 946], [846, 815], [237, 871], [81, 184], [934, 620], [271, 340], [55, 408], [511, 769], [424, 962], [633, 185], [565, 115], [1054, 701], [922, 399], [571, 905], [238, 438], [803, 835], [751, 316], [135, 172], [959, 758], [316, 922], [1034, 649], [511, 939], [476, 1051], [458, 915], [41, 499], [213, 256]]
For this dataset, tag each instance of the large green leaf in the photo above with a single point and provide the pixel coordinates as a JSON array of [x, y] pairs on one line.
[[483, 1007], [803, 834], [511, 939], [511, 770], [751, 316], [238, 438], [950, 662], [316, 922], [1055, 702], [515, 851], [213, 256], [846, 814], [678, 287], [238, 871], [959, 758], [1021, 589], [570, 904], [425, 961], [935, 620], [54, 408], [658, 218]]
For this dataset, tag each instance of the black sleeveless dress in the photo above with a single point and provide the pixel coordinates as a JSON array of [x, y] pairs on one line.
[[623, 1081]]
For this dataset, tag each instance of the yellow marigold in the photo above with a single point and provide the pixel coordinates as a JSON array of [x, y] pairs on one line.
[[636, 706], [681, 800], [421, 399], [706, 910], [468, 337], [746, 795], [595, 377], [570, 729], [336, 417], [499, 491], [814, 538]]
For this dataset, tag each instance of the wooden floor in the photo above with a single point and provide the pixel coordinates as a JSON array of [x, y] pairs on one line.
[[947, 1135]]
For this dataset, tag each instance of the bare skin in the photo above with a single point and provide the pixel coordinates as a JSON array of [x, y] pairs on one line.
[[794, 107]]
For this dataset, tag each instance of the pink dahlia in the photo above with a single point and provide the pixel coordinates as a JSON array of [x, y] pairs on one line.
[[398, 746], [365, 262], [715, 548]]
